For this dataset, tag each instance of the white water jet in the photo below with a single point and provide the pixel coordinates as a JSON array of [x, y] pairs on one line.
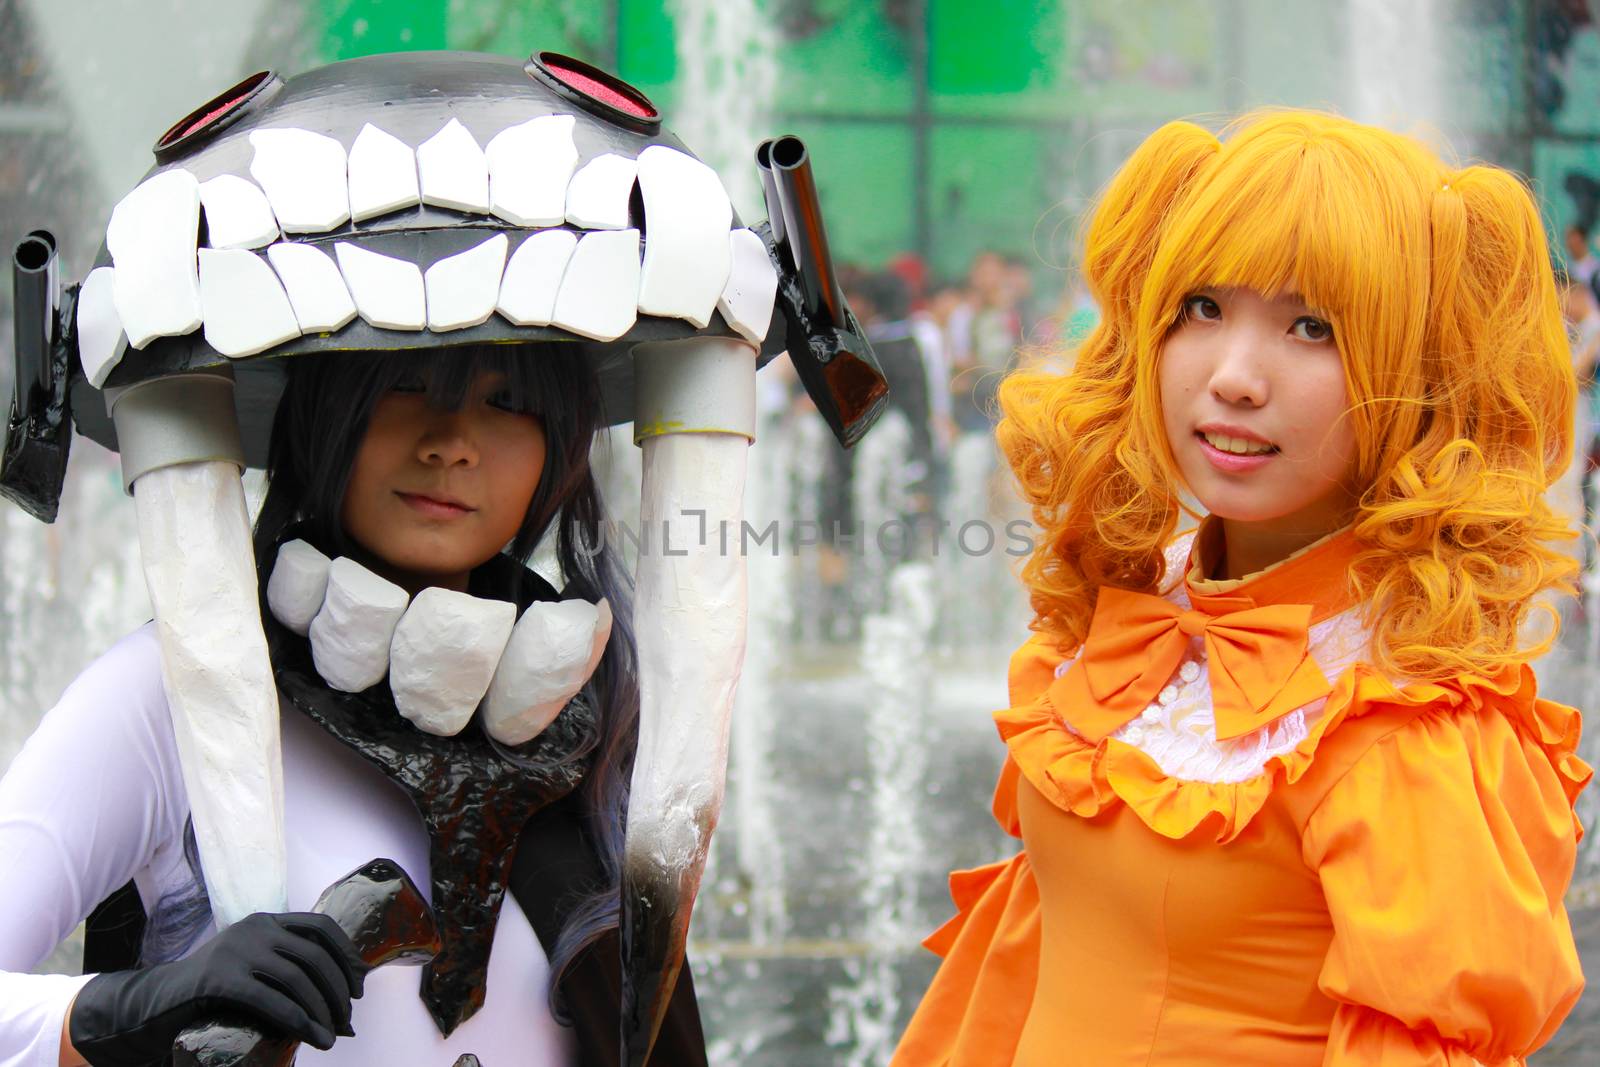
[[865, 1016]]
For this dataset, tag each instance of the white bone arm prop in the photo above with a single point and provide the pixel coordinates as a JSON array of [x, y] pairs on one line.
[[694, 421], [194, 535]]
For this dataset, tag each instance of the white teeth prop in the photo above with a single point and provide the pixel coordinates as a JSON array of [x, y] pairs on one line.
[[100, 336], [351, 634], [687, 257], [551, 655], [443, 657], [529, 167], [237, 213], [746, 303], [246, 310], [533, 277], [303, 174], [598, 195], [298, 585], [195, 539], [383, 174], [599, 291], [152, 238], [388, 292], [316, 289], [463, 289], [454, 171], [1237, 445]]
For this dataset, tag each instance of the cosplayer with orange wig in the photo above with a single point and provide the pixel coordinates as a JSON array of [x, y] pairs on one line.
[[1285, 791]]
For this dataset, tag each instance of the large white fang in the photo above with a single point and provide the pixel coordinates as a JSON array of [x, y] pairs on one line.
[[350, 635], [100, 336], [383, 174], [443, 657], [746, 303], [552, 653], [686, 252], [303, 174], [246, 309], [599, 297], [388, 292], [316, 289], [298, 585], [152, 238], [533, 277], [454, 171], [598, 195], [462, 289], [237, 213], [529, 167]]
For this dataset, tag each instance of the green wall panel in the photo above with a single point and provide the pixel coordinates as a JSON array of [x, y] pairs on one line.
[[843, 58], [987, 191], [578, 28], [647, 51], [864, 180], [994, 47], [1552, 162], [351, 28]]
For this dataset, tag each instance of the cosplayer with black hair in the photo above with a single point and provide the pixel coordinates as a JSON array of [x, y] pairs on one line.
[[419, 339]]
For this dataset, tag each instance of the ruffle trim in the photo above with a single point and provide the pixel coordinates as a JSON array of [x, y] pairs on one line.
[[1086, 779]]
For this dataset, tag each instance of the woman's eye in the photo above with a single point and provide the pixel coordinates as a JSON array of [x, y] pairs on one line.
[[1311, 329], [505, 400], [1201, 307]]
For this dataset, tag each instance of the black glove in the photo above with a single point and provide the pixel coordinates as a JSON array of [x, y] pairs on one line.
[[294, 974]]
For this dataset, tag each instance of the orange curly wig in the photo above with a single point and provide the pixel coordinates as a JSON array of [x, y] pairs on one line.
[[1443, 302]]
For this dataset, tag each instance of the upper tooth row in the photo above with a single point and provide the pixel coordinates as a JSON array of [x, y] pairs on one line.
[[592, 282], [1236, 444]]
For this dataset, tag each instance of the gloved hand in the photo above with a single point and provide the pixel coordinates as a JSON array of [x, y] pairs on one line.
[[294, 974]]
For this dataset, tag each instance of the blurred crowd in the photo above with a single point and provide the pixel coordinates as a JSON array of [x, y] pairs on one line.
[[930, 464]]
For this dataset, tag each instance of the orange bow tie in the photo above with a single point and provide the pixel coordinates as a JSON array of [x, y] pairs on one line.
[[1260, 668]]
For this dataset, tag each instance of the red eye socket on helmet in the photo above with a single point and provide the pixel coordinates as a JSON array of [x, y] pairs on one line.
[[596, 91], [213, 115]]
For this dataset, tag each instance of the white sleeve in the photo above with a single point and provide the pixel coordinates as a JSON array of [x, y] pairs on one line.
[[85, 804]]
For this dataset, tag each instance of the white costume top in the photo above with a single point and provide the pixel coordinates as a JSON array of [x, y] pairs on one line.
[[96, 797]]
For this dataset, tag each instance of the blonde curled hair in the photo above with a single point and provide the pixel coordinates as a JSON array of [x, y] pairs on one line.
[[1443, 304]]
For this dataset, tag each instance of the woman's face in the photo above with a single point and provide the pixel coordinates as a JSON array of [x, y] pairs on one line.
[[435, 493], [1253, 400]]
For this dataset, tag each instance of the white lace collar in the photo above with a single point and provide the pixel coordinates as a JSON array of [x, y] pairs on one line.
[[1179, 729]]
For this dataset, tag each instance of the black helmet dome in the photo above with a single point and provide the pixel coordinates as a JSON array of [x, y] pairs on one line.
[[412, 200]]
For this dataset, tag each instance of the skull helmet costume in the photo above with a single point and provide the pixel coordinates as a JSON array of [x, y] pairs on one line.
[[433, 200]]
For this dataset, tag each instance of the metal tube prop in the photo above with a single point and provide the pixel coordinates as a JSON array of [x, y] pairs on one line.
[[769, 194], [805, 236], [694, 421], [194, 535], [33, 280]]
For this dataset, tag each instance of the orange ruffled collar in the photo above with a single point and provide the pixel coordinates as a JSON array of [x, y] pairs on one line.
[[1085, 776]]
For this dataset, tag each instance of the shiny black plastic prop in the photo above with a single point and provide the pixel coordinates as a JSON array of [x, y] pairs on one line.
[[473, 800], [38, 430], [380, 910], [827, 346]]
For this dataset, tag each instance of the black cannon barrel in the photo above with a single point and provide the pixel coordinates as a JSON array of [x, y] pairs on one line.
[[36, 296], [769, 192], [804, 234]]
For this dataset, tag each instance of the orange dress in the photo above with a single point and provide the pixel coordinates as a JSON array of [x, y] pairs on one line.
[[1242, 845]]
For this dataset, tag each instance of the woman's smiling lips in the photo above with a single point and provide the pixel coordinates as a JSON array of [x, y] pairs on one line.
[[435, 507], [1226, 459]]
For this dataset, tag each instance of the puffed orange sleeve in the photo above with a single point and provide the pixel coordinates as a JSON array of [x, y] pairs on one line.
[[973, 1013], [1445, 852]]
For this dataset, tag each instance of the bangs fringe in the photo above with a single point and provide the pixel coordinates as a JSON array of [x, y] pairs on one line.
[[1438, 286]]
